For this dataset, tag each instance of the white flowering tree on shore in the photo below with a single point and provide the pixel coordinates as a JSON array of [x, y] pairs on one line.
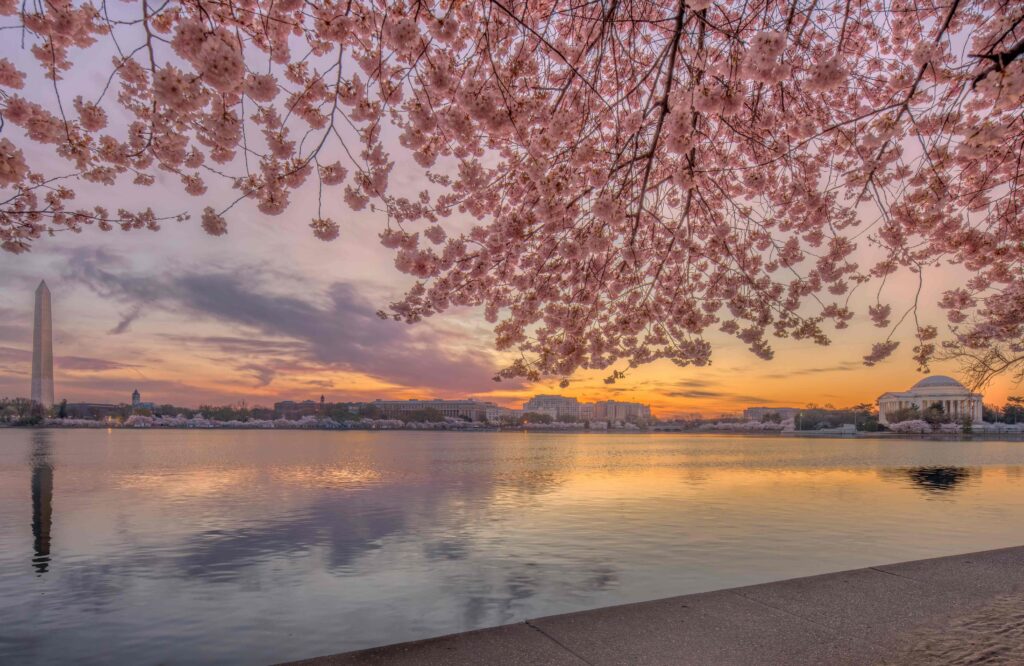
[[639, 172]]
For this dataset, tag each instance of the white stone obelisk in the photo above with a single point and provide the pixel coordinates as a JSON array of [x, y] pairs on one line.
[[42, 349]]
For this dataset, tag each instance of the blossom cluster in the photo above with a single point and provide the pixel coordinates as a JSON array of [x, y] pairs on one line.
[[629, 176], [913, 427]]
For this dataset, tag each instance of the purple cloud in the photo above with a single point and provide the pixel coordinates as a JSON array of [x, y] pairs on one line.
[[126, 320], [335, 330]]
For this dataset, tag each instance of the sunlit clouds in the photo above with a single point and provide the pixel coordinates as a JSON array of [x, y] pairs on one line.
[[169, 314]]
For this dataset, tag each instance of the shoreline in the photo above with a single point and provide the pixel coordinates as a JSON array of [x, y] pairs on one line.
[[803, 434], [955, 609]]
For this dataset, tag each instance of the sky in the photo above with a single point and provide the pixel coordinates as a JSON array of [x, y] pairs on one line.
[[268, 312]]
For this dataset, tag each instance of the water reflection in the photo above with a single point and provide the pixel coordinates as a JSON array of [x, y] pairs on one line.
[[255, 547], [346, 533], [42, 500], [939, 479], [934, 480], [369, 511]]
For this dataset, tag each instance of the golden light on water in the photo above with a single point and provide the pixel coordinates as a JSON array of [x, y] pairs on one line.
[[326, 476]]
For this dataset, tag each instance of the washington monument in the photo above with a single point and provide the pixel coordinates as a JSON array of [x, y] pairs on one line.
[[42, 349]]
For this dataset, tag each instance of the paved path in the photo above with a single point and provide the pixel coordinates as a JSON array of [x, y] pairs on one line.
[[965, 609]]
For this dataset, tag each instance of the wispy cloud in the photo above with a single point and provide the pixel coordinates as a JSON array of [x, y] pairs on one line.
[[264, 374], [88, 364], [703, 394], [126, 320], [13, 355], [258, 347], [23, 357], [845, 366]]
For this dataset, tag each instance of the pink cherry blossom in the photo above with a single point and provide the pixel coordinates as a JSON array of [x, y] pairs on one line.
[[92, 116], [213, 224], [10, 76], [12, 164], [628, 176], [261, 87], [325, 229], [880, 351], [333, 174]]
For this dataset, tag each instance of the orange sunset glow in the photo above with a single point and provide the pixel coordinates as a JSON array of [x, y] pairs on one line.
[[289, 317]]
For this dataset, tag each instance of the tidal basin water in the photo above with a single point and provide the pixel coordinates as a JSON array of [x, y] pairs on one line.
[[251, 547]]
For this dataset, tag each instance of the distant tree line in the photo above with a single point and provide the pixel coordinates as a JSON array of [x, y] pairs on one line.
[[20, 411], [863, 416], [1011, 412]]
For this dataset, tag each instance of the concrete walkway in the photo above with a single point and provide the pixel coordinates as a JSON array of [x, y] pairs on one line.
[[965, 609]]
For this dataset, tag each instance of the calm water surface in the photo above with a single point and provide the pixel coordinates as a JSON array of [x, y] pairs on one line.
[[252, 547]]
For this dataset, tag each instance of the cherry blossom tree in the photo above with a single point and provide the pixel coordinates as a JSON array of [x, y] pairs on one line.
[[639, 173]]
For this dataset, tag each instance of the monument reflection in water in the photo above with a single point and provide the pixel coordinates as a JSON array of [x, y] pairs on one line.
[[42, 500], [934, 481], [940, 479]]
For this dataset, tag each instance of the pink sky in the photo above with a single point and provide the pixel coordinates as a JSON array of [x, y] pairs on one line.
[[269, 313]]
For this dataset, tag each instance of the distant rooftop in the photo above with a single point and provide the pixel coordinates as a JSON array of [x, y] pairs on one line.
[[936, 381]]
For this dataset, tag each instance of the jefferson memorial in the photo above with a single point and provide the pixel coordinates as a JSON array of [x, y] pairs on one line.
[[956, 400]]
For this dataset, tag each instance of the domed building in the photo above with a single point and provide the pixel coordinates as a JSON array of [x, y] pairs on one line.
[[955, 399]]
